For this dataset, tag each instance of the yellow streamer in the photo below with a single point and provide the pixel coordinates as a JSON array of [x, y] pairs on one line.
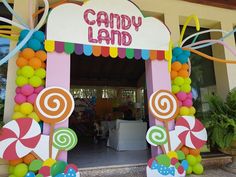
[[8, 32], [220, 60], [10, 27], [14, 38], [195, 18]]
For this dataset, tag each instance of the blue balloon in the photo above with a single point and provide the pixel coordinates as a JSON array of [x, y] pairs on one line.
[[23, 34], [187, 53], [182, 58], [174, 59], [39, 35], [177, 51], [30, 174], [185, 165], [34, 44]]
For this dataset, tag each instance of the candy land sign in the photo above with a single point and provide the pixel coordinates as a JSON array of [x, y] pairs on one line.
[[117, 23]]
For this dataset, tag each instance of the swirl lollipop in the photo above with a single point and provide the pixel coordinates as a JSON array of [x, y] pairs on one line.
[[64, 139], [53, 105], [156, 135], [164, 107]]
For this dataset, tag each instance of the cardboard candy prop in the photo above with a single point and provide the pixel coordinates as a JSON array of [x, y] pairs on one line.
[[191, 132], [18, 138]]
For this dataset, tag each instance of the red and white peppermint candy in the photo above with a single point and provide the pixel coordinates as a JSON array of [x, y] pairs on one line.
[[191, 132], [18, 138]]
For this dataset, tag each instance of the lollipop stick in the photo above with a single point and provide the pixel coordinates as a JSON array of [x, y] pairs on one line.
[[168, 135], [179, 147], [58, 153], [52, 127]]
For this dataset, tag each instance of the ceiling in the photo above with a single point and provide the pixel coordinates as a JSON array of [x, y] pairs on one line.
[[99, 71]]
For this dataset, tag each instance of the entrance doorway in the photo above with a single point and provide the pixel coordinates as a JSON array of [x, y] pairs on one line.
[[110, 116]]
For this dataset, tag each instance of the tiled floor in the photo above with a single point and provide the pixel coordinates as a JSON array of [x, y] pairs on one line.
[[94, 155]]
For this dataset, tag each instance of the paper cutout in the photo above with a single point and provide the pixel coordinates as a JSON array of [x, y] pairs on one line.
[[191, 132], [163, 105], [54, 104], [156, 136], [107, 23], [155, 173], [42, 149], [18, 138]]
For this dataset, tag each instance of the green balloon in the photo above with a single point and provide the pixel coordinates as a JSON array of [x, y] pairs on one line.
[[20, 170], [35, 165], [163, 159], [198, 169], [12, 176], [189, 170], [177, 165], [58, 167], [11, 169], [27, 71], [191, 160], [180, 155]]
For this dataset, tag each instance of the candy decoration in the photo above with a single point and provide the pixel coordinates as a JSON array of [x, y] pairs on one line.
[[64, 139], [156, 136], [71, 172], [191, 132], [18, 138], [54, 104], [163, 105], [35, 165], [58, 167]]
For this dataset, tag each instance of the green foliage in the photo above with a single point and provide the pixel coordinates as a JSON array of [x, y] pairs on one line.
[[221, 120]]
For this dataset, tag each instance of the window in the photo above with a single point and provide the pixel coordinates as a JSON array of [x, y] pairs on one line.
[[202, 74]]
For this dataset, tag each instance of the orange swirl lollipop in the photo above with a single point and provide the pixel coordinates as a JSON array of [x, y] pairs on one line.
[[54, 104], [163, 105]]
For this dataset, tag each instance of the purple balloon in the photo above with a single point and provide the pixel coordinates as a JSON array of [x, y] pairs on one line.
[[31, 99], [27, 90], [19, 98]]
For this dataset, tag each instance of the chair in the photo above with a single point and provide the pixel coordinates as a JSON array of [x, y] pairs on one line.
[[128, 135]]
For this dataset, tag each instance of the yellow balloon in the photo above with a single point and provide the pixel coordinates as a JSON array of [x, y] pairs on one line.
[[49, 162], [34, 116], [172, 154]]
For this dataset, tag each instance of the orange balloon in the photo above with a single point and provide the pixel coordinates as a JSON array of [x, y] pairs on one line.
[[185, 66], [20, 62], [42, 55], [194, 152], [43, 65], [176, 66], [28, 53], [185, 150], [173, 74], [20, 54], [183, 73], [15, 162], [35, 63], [28, 159]]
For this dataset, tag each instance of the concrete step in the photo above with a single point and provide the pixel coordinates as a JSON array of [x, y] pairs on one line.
[[139, 170]]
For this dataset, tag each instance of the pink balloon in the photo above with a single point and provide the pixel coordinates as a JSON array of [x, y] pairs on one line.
[[190, 95], [38, 89], [18, 90], [180, 103], [31, 99], [188, 102], [27, 90], [181, 96], [19, 99]]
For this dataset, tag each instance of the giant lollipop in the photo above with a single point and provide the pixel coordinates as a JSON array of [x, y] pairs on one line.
[[53, 105], [164, 106], [191, 132], [18, 138]]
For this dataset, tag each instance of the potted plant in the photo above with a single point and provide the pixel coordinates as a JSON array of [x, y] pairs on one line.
[[221, 125]]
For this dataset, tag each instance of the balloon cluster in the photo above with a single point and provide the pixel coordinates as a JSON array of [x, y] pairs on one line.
[[173, 163], [181, 87], [29, 166], [31, 75], [181, 82], [194, 160], [35, 42]]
